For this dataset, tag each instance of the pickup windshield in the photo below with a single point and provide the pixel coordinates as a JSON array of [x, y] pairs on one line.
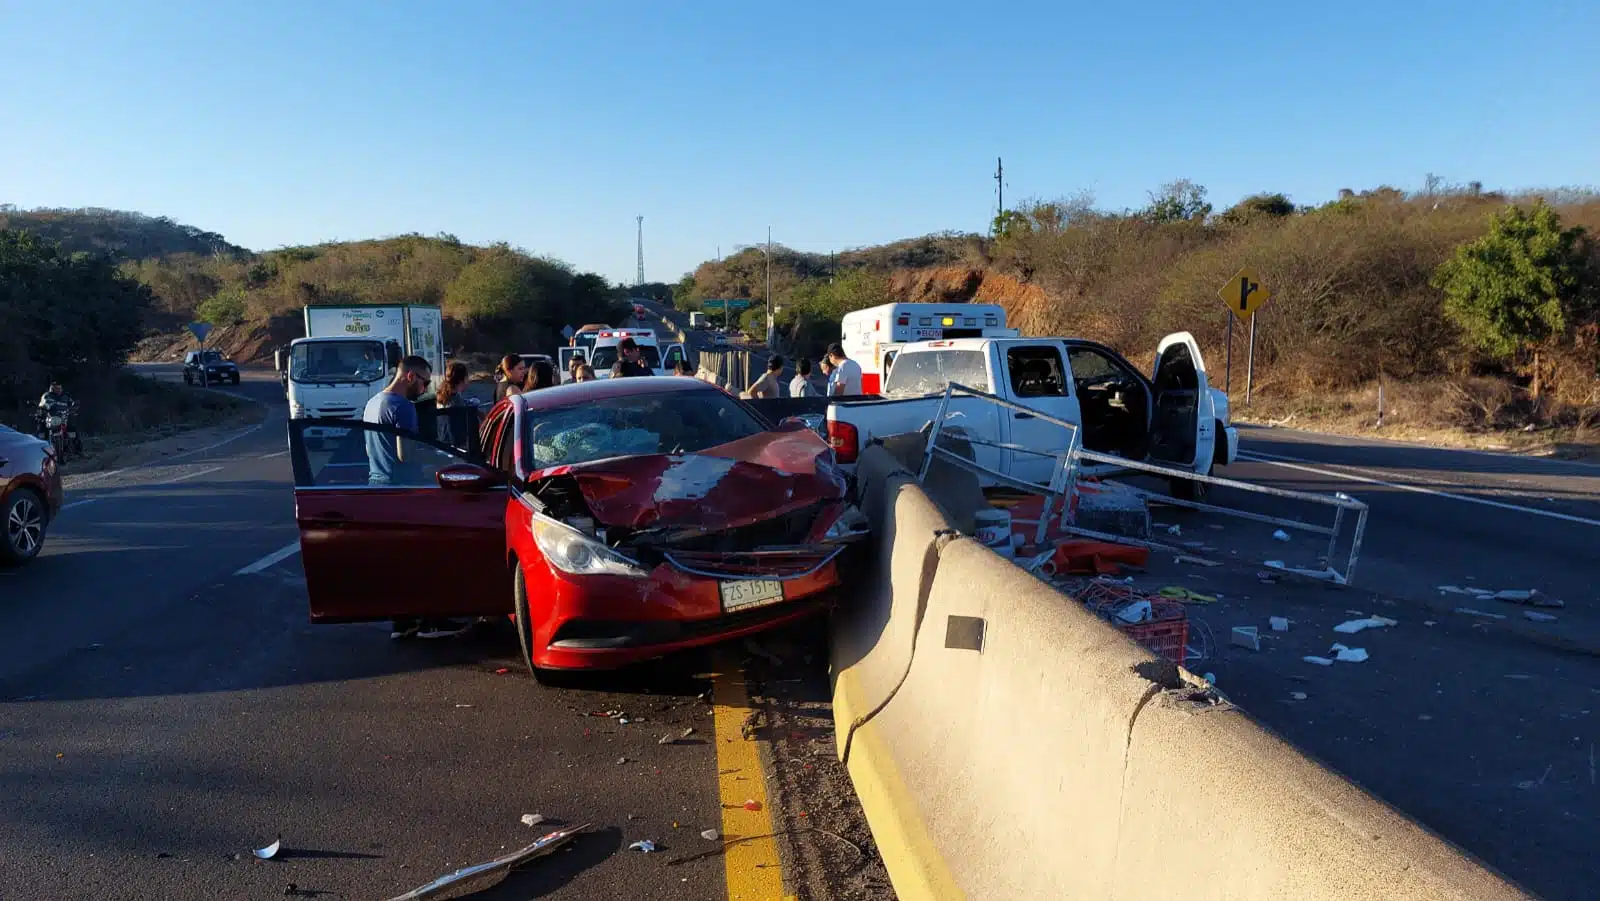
[[338, 361], [676, 423], [606, 357], [928, 372]]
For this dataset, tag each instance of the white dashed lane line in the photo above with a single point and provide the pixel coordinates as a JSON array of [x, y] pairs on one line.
[[270, 560]]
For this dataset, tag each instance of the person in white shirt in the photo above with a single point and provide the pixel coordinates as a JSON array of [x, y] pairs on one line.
[[800, 385], [846, 377]]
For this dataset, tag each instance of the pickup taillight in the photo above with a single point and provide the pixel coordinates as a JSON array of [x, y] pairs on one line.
[[845, 441]]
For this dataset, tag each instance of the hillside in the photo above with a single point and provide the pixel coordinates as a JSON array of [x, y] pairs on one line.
[[124, 235], [1356, 286]]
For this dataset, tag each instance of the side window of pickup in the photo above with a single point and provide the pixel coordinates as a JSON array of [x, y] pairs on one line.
[[1036, 372], [928, 372]]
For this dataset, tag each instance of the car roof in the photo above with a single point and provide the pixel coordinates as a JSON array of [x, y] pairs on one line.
[[606, 389]]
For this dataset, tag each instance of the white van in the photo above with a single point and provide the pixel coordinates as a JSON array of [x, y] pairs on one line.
[[605, 353], [873, 336]]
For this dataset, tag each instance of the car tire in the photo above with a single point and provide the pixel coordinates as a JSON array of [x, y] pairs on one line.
[[22, 527], [188, 379], [236, 380], [522, 619]]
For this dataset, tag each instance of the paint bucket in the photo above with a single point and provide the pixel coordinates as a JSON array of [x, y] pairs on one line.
[[994, 530]]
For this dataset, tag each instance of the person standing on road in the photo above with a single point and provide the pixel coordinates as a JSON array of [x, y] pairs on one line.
[[767, 385], [513, 372], [583, 372], [846, 377], [395, 407], [629, 364], [800, 385], [456, 424], [540, 375]]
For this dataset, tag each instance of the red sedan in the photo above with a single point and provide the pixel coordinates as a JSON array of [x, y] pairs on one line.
[[615, 521]]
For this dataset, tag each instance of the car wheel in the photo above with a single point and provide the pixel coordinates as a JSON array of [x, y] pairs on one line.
[[236, 380], [24, 524], [522, 618], [188, 379]]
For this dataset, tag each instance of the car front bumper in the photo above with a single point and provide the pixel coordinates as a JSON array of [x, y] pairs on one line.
[[605, 622]]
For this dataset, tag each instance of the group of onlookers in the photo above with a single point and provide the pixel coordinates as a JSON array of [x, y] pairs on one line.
[[841, 374]]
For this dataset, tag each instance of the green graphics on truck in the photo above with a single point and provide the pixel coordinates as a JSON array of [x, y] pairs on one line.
[[383, 323]]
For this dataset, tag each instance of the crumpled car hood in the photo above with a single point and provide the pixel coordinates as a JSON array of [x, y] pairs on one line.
[[731, 485]]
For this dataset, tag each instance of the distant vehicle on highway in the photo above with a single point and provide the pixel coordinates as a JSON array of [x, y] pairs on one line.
[[603, 354], [585, 337], [30, 495], [350, 353], [205, 367], [719, 340], [698, 319], [638, 517]]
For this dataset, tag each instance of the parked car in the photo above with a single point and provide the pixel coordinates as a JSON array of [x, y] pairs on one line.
[[614, 521], [30, 495], [204, 367], [1172, 417]]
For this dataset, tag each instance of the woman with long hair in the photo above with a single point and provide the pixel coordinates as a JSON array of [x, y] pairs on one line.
[[540, 375], [512, 373], [457, 420], [449, 392]]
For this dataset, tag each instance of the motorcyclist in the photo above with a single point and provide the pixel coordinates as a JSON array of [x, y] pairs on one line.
[[55, 402]]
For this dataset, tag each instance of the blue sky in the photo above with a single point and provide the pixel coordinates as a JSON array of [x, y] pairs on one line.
[[836, 124]]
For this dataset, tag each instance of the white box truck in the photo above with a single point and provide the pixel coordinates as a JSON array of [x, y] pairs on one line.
[[350, 353]]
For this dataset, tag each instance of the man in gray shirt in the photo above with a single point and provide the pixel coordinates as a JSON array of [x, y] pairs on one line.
[[395, 406]]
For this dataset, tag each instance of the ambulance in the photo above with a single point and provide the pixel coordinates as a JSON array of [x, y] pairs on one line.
[[605, 351], [873, 337]]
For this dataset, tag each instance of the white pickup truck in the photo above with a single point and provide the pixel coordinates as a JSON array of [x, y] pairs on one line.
[[1172, 417]]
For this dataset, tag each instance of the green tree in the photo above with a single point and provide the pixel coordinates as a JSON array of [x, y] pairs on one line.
[[226, 307], [1009, 224], [1178, 201], [1518, 286], [1257, 207], [499, 284]]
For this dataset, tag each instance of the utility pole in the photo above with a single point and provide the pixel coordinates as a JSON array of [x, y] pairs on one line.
[[769, 335], [640, 280], [999, 188]]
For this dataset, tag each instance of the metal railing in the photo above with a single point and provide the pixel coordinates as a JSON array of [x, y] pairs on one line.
[[1064, 478]]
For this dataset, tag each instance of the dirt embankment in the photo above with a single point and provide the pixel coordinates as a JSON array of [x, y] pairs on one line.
[[250, 342], [1026, 305]]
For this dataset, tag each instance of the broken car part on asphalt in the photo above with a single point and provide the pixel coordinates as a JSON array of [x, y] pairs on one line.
[[511, 861]]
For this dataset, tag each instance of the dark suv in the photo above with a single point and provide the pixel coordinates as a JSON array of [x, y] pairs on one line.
[[202, 367]]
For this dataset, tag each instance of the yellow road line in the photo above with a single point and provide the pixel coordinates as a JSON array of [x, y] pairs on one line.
[[753, 870]]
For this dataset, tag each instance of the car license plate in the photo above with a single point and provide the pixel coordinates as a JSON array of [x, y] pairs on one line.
[[745, 594]]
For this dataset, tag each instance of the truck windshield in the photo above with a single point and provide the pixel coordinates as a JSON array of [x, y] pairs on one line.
[[928, 372], [337, 361], [606, 357]]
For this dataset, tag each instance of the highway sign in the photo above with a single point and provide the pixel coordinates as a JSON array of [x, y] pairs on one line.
[[568, 331], [1244, 294], [720, 304]]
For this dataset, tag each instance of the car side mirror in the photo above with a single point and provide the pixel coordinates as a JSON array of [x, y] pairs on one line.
[[467, 477]]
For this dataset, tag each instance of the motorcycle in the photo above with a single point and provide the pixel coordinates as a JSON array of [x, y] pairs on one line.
[[62, 433]]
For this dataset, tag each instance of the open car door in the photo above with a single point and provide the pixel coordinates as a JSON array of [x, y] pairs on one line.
[[564, 357], [671, 357], [1183, 425], [430, 543]]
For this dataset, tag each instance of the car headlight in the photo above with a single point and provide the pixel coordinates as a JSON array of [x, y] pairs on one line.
[[575, 553]]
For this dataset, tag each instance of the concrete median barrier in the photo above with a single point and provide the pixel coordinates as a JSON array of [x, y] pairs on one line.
[[1031, 750], [874, 635]]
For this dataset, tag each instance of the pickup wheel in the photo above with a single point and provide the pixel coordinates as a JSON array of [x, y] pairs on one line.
[[1188, 490]]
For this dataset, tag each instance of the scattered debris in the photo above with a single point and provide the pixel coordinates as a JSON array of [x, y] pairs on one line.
[[532, 819], [1529, 784], [1297, 695], [502, 671], [1246, 637], [1532, 597], [1266, 578], [1535, 616], [751, 804], [1136, 612], [711, 835], [465, 706], [1179, 593], [667, 740], [1429, 622], [621, 761], [1348, 655], [1326, 575], [687, 732], [1319, 661], [271, 850], [1518, 676], [1278, 623], [1175, 529], [1280, 535], [1468, 611], [647, 846], [1197, 561], [539, 848], [1353, 626]]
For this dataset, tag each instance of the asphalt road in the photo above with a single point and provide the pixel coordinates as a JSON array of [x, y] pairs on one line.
[[162, 713]]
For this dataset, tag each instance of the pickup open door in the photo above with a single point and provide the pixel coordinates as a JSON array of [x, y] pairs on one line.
[[1183, 429], [431, 544], [564, 357]]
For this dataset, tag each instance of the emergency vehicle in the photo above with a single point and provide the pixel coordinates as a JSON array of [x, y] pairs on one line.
[[872, 337], [604, 352]]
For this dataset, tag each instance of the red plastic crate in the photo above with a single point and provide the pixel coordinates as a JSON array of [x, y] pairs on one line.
[[1164, 638]]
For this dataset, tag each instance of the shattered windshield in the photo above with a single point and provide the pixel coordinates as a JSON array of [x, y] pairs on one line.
[[928, 372], [606, 357], [343, 361], [676, 423]]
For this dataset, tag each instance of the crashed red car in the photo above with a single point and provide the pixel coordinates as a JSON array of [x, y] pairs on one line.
[[631, 518]]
